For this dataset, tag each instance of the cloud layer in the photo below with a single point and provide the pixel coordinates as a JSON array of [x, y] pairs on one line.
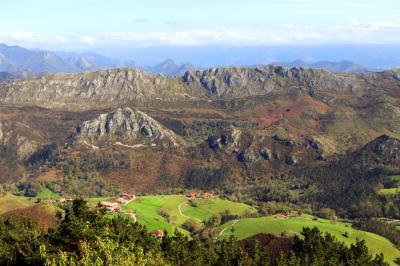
[[381, 32]]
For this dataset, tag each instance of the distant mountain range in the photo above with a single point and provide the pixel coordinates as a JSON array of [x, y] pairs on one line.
[[17, 62], [342, 66]]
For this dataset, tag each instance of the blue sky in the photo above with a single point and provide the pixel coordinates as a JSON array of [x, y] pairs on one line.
[[91, 24]]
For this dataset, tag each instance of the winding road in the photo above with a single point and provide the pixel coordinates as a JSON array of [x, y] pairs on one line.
[[181, 213], [223, 230]]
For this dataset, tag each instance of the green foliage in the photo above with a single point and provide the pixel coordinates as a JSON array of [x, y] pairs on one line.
[[207, 178]]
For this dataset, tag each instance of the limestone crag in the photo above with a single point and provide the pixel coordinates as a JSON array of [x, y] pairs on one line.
[[19, 139], [126, 127], [383, 150], [88, 90], [118, 87]]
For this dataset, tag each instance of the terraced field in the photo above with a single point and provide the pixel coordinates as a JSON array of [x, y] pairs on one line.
[[244, 228]]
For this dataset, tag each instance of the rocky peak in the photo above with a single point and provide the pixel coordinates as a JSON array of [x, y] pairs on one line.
[[126, 127], [86, 90], [386, 146], [234, 82], [228, 139], [19, 139], [384, 149]]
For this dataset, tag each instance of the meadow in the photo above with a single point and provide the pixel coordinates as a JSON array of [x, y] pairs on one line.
[[147, 209], [247, 227]]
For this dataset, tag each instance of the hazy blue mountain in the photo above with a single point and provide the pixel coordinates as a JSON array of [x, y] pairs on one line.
[[370, 56], [341, 66], [170, 68], [18, 62], [15, 58], [88, 61]]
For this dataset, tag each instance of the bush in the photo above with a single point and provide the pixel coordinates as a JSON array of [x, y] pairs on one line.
[[164, 214], [191, 225]]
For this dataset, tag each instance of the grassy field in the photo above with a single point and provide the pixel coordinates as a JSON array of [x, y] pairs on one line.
[[388, 191], [44, 214], [391, 191], [47, 194], [207, 207], [9, 202], [147, 210], [247, 227]]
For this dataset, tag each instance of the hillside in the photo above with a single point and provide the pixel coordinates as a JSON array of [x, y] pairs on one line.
[[245, 228], [265, 134]]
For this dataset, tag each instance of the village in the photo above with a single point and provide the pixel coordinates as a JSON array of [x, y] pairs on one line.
[[115, 206]]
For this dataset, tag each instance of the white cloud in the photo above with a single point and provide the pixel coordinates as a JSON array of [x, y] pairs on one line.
[[380, 32], [87, 40]]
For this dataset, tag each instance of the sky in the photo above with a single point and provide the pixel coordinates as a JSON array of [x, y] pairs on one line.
[[100, 24]]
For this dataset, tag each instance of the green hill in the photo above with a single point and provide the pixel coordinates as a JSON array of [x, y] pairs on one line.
[[293, 225], [9, 202], [147, 209]]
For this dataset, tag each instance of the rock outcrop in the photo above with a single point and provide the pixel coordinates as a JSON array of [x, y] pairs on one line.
[[125, 127], [228, 139], [236, 82], [87, 90], [116, 87], [383, 150], [18, 139]]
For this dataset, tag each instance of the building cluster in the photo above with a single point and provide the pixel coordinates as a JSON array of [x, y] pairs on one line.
[[115, 206], [200, 195], [286, 214]]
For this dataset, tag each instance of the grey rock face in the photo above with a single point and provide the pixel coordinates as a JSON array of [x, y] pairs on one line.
[[117, 87], [248, 157], [383, 150], [234, 82], [266, 154], [290, 160], [283, 141], [125, 127], [387, 147], [88, 90], [19, 139], [230, 137]]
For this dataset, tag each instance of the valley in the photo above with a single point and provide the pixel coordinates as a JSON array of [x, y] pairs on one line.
[[269, 140]]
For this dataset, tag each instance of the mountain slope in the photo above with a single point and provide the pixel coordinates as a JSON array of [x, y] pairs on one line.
[[15, 58], [342, 66], [170, 68]]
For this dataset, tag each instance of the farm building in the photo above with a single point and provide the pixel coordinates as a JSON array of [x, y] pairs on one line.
[[128, 196], [110, 206], [122, 200], [292, 213], [191, 194], [159, 233], [280, 216], [208, 195]]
